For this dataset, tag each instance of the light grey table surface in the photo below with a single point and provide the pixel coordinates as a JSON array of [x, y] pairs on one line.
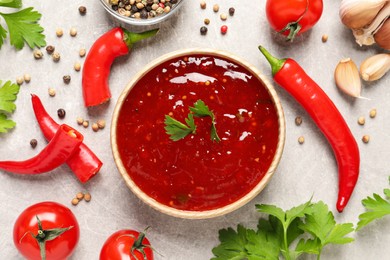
[[304, 171]]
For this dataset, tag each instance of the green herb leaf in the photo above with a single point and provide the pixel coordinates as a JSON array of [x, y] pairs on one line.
[[11, 3], [310, 246], [3, 35], [178, 130], [200, 109], [232, 245], [270, 248], [23, 27], [8, 94], [5, 123], [376, 206]]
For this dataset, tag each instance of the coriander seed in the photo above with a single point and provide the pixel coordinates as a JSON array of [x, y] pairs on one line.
[[373, 113], [82, 10], [77, 66], [37, 54], [82, 52], [66, 79], [95, 127], [59, 32], [56, 56], [101, 123], [80, 120], [27, 78], [301, 140], [80, 195], [298, 120], [366, 139], [50, 49], [87, 197], [361, 120], [86, 123], [203, 4], [73, 32], [33, 143], [19, 80], [52, 92], [75, 201], [61, 113]]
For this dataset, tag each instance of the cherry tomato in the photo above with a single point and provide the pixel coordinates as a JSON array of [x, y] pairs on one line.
[[51, 220], [293, 16], [127, 244]]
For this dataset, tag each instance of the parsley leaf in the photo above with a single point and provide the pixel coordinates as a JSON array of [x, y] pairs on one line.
[[3, 35], [5, 123], [23, 27], [232, 245], [376, 206], [8, 93], [11, 3], [200, 109], [178, 130]]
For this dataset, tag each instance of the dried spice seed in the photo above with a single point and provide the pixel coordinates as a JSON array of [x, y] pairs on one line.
[[37, 54], [298, 120], [82, 10], [33, 143], [361, 120], [82, 52], [224, 29], [232, 11], [19, 80], [52, 92], [373, 113], [59, 32], [73, 32], [215, 8], [61, 113], [223, 17], [366, 139], [206, 21], [324, 38], [87, 197], [203, 30], [301, 140], [75, 201], [203, 4], [77, 66], [80, 195], [56, 56], [27, 78], [80, 120], [95, 127], [66, 79], [101, 123], [86, 123]]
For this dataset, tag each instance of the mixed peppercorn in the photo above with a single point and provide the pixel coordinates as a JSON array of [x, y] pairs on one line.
[[142, 9]]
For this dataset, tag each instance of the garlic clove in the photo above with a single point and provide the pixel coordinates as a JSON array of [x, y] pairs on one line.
[[382, 36], [347, 77], [375, 67], [356, 14]]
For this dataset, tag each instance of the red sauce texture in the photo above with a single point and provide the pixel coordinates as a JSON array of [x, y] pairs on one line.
[[196, 173]]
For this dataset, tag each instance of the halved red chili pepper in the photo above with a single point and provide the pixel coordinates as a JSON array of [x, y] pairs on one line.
[[290, 76], [96, 69], [84, 163], [59, 149]]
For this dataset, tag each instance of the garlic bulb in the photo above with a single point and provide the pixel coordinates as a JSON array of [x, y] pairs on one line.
[[365, 18], [382, 36], [347, 77], [356, 14], [375, 67]]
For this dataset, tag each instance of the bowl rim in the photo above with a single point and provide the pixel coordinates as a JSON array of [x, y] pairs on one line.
[[140, 22], [186, 214]]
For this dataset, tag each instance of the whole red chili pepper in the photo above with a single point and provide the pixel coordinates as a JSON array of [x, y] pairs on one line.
[[59, 149], [289, 75], [96, 69], [84, 163]]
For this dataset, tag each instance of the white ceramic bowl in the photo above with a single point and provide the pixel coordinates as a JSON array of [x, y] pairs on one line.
[[236, 204]]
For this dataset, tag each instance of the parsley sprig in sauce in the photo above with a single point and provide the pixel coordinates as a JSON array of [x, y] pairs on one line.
[[178, 130]]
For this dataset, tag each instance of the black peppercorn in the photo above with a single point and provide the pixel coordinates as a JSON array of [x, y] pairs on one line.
[[61, 113], [203, 30], [50, 49], [66, 79], [82, 10], [231, 11], [114, 7], [33, 143], [144, 14]]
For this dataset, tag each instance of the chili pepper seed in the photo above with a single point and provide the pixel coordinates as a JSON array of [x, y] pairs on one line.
[[232, 11], [373, 113], [82, 10], [301, 140], [87, 197], [33, 143], [224, 29], [298, 120], [59, 32], [61, 113], [37, 54], [361, 120], [66, 79], [52, 92], [50, 49], [75, 201], [366, 139], [27, 78], [203, 30]]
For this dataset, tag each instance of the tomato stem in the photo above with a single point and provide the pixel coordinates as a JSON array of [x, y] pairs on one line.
[[294, 27]]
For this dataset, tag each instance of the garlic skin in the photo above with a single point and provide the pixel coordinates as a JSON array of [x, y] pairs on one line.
[[356, 14], [382, 36], [374, 67], [347, 78]]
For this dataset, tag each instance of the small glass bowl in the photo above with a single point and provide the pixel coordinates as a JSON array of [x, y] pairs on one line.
[[138, 21]]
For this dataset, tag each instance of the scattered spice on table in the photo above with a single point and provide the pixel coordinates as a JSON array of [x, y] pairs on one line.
[[66, 79], [298, 120], [86, 123], [232, 11], [203, 30], [82, 52], [52, 92], [77, 66], [80, 195], [87, 197], [216, 8], [373, 113], [95, 127], [101, 123], [82, 10], [50, 49], [223, 17], [361, 120], [75, 201], [224, 29], [59, 32], [19, 80], [27, 78], [80, 120], [203, 4], [301, 140], [366, 139], [73, 32], [33, 143], [61, 113], [56, 56], [324, 38], [37, 54], [206, 21]]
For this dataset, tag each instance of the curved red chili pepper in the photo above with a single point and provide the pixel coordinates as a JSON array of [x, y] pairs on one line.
[[289, 75], [96, 69], [84, 163], [58, 150]]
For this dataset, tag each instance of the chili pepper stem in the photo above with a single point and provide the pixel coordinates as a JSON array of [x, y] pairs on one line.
[[130, 38], [276, 64]]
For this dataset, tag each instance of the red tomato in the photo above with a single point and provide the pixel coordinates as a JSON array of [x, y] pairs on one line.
[[52, 215], [126, 244], [290, 13]]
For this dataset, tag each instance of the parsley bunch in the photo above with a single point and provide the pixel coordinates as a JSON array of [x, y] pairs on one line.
[[305, 229], [22, 26], [8, 93]]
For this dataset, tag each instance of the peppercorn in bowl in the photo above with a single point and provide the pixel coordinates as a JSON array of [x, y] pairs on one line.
[[198, 133], [141, 12]]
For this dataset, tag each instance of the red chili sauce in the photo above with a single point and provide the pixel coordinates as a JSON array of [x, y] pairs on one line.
[[196, 173]]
